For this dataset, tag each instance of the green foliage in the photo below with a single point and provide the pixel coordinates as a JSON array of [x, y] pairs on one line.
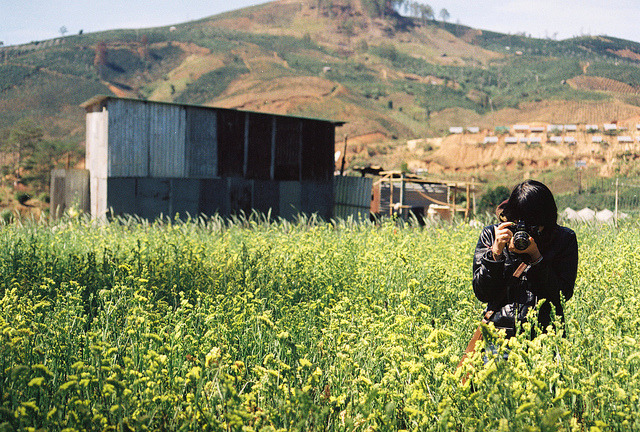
[[48, 94], [628, 73], [11, 75], [6, 216], [31, 157], [211, 84], [24, 138], [76, 60], [229, 326], [492, 198], [388, 51]]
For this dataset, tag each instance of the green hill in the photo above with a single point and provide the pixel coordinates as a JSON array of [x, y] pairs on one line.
[[397, 76]]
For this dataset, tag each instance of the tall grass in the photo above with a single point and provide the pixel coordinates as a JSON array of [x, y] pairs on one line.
[[249, 324]]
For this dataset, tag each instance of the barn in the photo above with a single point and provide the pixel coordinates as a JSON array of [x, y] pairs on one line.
[[155, 158]]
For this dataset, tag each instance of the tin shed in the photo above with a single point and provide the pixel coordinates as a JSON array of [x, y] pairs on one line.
[[156, 158]]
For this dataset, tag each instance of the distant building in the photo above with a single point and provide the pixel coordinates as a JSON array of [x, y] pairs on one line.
[[473, 129], [511, 140], [521, 128], [491, 140], [456, 130], [154, 158], [610, 127]]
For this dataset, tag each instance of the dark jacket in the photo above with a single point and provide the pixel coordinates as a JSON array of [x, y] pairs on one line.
[[510, 297]]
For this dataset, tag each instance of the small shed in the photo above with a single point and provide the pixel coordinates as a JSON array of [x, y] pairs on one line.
[[155, 158], [407, 194]]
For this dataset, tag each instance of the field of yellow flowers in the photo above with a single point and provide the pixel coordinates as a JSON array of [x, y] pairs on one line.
[[309, 326]]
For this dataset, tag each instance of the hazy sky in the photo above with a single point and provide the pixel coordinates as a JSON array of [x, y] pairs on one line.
[[23, 21]]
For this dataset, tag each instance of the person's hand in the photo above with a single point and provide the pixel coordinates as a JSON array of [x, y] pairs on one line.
[[532, 250], [503, 236]]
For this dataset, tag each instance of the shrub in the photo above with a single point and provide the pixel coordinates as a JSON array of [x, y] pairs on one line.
[[22, 197], [492, 198]]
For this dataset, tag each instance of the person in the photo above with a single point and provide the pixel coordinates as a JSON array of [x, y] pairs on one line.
[[513, 280]]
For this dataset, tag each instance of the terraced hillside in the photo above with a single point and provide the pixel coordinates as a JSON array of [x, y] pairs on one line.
[[397, 77]]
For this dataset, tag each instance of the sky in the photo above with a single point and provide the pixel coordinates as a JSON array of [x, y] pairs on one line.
[[23, 21]]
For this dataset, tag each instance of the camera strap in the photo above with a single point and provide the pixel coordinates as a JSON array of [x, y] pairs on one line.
[[521, 268], [477, 335]]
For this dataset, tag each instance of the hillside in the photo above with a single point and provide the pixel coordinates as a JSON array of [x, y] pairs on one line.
[[395, 78]]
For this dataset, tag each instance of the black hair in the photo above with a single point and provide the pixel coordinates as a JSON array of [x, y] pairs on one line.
[[532, 202]]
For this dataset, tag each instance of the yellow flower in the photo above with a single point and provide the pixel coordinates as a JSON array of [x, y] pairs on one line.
[[36, 382]]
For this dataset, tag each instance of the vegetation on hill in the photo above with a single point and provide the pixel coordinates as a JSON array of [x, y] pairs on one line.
[[384, 67]]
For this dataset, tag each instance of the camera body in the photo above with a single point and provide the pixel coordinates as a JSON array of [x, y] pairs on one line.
[[521, 233]]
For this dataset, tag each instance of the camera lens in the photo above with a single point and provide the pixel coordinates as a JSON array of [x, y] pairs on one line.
[[521, 240]]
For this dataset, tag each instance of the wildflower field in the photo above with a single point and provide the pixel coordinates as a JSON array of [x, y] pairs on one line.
[[309, 326]]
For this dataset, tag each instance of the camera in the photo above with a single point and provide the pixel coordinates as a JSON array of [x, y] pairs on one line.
[[521, 233]]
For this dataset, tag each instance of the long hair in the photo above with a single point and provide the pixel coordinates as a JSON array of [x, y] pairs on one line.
[[532, 202]]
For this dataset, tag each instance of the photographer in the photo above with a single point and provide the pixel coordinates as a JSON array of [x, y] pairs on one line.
[[525, 258]]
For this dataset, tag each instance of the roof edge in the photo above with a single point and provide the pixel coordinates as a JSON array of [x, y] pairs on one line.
[[101, 98]]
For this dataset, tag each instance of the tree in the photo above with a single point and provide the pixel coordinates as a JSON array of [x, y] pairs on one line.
[[63, 30], [426, 13], [492, 198], [444, 15], [49, 154], [24, 138]]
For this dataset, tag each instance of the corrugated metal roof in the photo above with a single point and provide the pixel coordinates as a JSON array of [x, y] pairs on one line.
[[101, 99]]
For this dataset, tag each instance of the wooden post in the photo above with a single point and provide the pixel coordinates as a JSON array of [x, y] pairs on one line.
[[344, 155], [473, 191], [391, 195], [466, 211], [455, 190], [615, 212], [401, 194]]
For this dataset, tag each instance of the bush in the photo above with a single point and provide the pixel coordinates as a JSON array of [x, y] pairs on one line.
[[6, 216], [22, 197], [492, 198]]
